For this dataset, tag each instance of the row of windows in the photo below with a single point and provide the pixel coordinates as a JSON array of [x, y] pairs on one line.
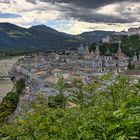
[[108, 64], [105, 70]]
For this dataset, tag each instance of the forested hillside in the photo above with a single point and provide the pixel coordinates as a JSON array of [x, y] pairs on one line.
[[129, 46], [18, 40]]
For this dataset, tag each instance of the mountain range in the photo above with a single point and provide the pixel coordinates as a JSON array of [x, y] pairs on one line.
[[43, 37]]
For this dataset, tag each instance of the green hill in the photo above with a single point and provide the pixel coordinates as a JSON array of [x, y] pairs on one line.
[[18, 40], [129, 46]]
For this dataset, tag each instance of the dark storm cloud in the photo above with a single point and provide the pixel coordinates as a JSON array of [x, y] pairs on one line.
[[85, 3], [90, 15], [131, 13], [32, 1], [85, 10], [5, 1], [100, 18]]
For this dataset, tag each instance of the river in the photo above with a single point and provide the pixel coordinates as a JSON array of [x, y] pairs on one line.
[[6, 84]]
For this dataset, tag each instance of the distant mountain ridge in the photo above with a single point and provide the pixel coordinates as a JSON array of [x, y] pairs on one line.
[[43, 37], [94, 36]]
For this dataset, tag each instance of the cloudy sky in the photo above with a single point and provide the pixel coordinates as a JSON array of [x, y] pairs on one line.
[[72, 16]]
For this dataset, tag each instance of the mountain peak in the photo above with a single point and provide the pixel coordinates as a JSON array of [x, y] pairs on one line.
[[40, 26], [44, 28], [42, 36], [9, 26]]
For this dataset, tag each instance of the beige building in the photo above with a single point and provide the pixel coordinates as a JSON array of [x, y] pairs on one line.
[[113, 63]]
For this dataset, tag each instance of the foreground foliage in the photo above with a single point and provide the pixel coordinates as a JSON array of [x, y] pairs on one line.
[[10, 101], [111, 113]]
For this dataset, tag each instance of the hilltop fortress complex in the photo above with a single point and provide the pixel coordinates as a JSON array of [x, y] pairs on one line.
[[115, 37]]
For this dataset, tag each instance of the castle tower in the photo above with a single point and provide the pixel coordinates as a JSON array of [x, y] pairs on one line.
[[97, 52]]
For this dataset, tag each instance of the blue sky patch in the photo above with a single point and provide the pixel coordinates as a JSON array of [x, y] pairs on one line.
[[9, 15], [58, 23]]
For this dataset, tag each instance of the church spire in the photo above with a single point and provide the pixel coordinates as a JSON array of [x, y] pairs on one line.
[[97, 48], [119, 47], [139, 56], [86, 51], [119, 53], [108, 51], [97, 51], [81, 44], [87, 47], [135, 57]]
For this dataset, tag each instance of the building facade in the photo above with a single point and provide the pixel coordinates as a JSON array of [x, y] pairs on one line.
[[109, 62]]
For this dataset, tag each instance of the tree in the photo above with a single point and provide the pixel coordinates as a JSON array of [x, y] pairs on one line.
[[10, 101], [59, 100], [113, 115]]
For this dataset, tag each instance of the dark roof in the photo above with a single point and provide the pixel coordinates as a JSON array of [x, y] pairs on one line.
[[132, 72], [108, 53]]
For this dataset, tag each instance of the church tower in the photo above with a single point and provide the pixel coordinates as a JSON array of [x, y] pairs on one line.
[[81, 50], [135, 57], [119, 53], [108, 51], [97, 52], [87, 49], [81, 44], [86, 52], [139, 57], [119, 48], [92, 54]]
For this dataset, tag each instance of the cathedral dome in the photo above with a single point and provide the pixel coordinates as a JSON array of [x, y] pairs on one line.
[[81, 49]]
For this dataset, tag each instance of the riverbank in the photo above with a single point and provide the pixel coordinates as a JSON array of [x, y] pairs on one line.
[[10, 101], [6, 85]]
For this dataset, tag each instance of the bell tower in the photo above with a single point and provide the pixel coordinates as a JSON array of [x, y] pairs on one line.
[[86, 52], [135, 57], [119, 53], [97, 52]]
